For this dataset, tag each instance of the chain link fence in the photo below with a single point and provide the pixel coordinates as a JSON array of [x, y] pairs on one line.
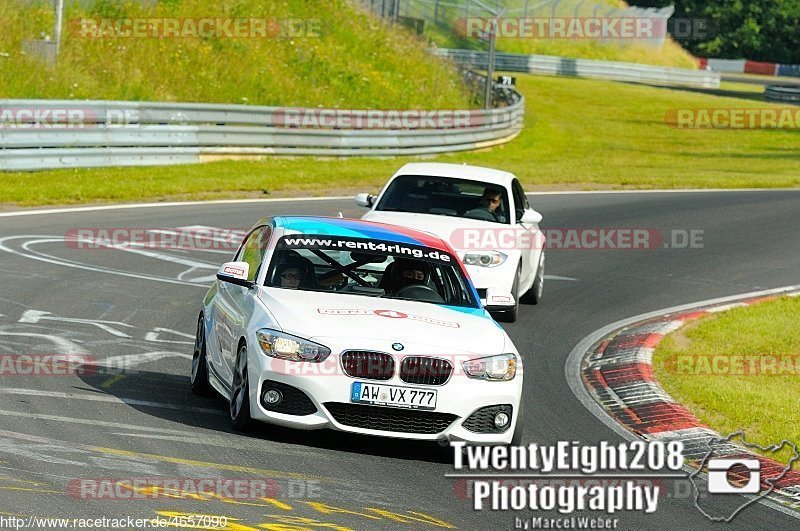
[[449, 15]]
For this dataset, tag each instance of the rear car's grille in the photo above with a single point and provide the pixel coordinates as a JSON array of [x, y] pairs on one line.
[[295, 401], [369, 365], [390, 419], [482, 420], [427, 371]]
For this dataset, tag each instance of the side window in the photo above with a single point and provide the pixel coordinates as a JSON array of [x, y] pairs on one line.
[[253, 249], [520, 201]]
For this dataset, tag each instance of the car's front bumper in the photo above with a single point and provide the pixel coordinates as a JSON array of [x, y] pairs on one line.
[[500, 277], [325, 384]]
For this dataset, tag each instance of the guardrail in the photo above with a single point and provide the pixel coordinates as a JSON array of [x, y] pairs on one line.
[[782, 94], [44, 134], [589, 68]]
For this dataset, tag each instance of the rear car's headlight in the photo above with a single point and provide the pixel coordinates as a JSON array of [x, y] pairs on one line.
[[485, 259], [495, 368], [289, 347]]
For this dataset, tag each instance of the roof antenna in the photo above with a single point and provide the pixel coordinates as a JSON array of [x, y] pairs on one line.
[[339, 215]]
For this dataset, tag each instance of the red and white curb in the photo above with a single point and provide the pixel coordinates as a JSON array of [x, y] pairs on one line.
[[611, 372]]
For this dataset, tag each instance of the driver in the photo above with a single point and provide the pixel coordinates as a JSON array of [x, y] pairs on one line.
[[407, 272], [491, 199]]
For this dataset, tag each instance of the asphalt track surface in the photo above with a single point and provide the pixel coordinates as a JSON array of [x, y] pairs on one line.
[[56, 429]]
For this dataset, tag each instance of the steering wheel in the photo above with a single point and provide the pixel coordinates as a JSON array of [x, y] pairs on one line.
[[420, 292], [334, 282]]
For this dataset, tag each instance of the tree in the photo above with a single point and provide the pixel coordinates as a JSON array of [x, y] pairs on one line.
[[765, 30]]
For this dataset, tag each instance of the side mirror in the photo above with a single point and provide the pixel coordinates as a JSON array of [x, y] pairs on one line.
[[498, 300], [530, 216], [235, 273], [364, 200]]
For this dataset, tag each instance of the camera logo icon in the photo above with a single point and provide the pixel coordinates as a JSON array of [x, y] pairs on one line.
[[718, 476]]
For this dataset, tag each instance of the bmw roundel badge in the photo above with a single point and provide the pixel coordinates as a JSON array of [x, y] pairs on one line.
[[398, 346]]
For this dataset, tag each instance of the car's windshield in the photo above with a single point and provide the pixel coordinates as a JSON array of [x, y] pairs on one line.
[[444, 196], [369, 267]]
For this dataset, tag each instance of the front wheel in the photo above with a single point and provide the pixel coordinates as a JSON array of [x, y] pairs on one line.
[[200, 385], [509, 316], [516, 439], [240, 396]]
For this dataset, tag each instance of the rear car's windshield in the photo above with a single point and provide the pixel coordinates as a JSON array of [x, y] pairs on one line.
[[369, 267], [444, 196]]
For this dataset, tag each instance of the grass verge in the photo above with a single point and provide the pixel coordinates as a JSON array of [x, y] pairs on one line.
[[739, 369], [311, 53], [579, 134]]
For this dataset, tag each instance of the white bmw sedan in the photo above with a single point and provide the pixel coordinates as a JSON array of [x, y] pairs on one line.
[[483, 213], [360, 327]]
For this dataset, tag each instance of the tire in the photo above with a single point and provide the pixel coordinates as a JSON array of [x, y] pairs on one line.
[[534, 295], [240, 393], [199, 377], [519, 427], [509, 316]]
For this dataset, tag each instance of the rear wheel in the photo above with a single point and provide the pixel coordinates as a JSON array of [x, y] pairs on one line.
[[200, 385], [240, 395], [534, 295]]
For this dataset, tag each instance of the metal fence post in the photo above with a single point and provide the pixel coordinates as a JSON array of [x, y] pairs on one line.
[[487, 102], [57, 29]]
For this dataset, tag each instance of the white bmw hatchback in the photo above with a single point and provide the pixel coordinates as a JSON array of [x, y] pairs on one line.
[[482, 212], [360, 327]]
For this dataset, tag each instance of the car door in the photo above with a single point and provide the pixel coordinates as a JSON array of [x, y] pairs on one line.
[[235, 304], [530, 250]]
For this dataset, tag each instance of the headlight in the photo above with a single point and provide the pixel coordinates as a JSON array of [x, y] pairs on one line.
[[495, 368], [486, 259], [289, 347]]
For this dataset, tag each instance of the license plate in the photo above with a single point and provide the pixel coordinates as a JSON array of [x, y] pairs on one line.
[[394, 396]]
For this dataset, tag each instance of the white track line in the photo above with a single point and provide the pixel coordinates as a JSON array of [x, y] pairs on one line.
[[676, 191], [572, 367], [67, 210], [106, 398], [93, 422], [42, 257]]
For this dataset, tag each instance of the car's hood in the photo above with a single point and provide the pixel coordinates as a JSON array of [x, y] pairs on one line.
[[313, 314], [442, 226]]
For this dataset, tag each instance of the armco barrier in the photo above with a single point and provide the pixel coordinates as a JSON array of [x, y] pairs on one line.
[[589, 68], [42, 134], [783, 94], [744, 66]]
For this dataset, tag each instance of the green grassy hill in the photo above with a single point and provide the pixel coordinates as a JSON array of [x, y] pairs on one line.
[[670, 54], [350, 60]]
